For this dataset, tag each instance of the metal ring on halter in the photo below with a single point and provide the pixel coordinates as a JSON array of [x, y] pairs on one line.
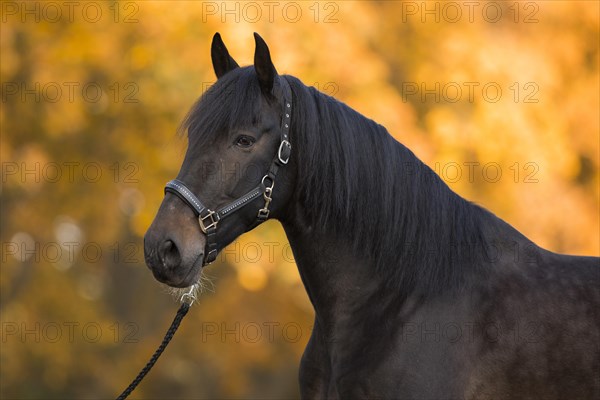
[[272, 182]]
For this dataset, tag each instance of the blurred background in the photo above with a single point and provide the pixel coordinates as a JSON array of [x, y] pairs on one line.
[[500, 98]]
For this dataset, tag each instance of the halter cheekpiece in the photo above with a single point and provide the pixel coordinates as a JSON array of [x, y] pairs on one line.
[[208, 219]]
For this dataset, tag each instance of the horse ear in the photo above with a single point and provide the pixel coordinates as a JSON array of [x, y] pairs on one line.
[[265, 70], [222, 61]]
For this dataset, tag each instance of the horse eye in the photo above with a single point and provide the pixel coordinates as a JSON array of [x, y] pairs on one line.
[[245, 141]]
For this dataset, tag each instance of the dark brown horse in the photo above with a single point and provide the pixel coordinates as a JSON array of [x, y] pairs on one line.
[[418, 293]]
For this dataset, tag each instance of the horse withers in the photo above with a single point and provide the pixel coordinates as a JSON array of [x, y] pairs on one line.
[[418, 293]]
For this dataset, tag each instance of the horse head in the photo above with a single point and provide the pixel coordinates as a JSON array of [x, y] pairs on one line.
[[238, 150]]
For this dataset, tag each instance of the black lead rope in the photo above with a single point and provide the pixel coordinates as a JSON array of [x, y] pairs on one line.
[[185, 306]]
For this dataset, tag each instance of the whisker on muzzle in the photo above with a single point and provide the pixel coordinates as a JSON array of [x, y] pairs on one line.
[[202, 285]]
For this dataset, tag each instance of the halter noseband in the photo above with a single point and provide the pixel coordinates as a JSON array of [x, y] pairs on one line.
[[208, 219]]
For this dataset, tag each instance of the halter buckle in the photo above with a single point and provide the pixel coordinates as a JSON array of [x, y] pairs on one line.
[[212, 216], [284, 154]]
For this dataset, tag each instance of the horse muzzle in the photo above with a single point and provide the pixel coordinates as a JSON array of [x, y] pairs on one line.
[[174, 248]]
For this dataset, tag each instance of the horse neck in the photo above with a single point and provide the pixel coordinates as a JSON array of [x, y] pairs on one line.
[[335, 280], [390, 226], [342, 279], [345, 286]]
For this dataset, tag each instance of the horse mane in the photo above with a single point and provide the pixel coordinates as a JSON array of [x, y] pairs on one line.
[[358, 182]]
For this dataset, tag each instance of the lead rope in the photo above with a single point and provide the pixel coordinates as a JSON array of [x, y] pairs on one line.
[[186, 301]]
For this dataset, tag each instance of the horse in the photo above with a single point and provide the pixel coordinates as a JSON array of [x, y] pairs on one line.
[[417, 292]]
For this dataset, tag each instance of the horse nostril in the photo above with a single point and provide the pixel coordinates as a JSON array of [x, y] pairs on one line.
[[169, 254]]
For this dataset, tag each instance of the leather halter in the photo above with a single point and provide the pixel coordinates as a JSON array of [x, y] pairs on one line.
[[208, 219]]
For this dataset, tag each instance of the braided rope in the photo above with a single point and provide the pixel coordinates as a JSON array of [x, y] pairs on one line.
[[168, 336]]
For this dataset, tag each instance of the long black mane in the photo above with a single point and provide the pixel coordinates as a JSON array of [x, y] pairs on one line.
[[358, 182]]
